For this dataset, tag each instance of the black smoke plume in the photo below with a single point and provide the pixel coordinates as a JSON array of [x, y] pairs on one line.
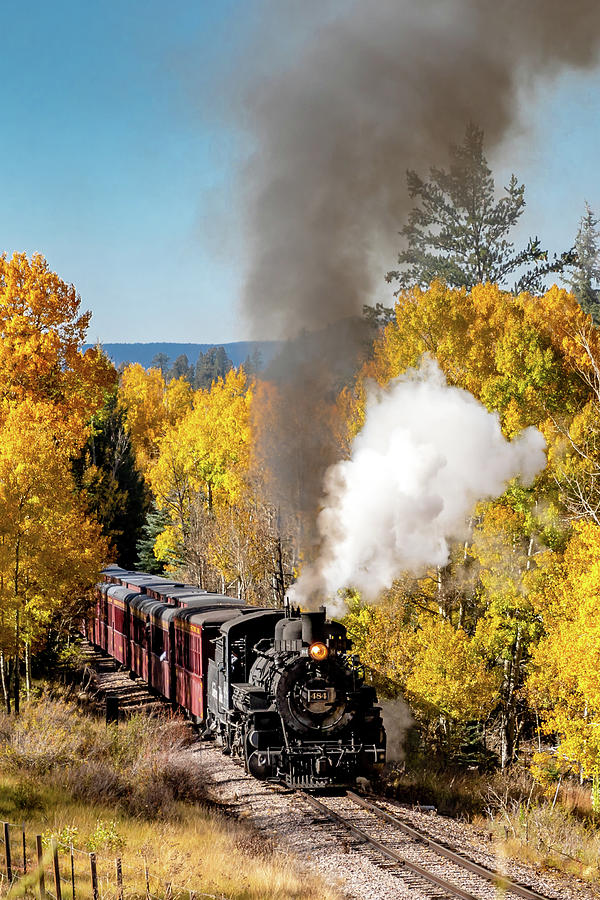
[[377, 88]]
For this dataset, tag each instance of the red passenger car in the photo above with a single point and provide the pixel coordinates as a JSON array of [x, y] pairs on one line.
[[164, 631], [194, 632], [139, 636], [159, 647], [100, 621], [118, 644]]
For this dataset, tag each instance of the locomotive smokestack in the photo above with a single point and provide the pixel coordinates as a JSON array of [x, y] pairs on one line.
[[312, 626]]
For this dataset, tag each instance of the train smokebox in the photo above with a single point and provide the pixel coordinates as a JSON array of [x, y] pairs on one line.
[[313, 624]]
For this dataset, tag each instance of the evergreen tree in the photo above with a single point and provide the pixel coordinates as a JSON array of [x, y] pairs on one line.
[[161, 361], [114, 488], [253, 362], [222, 362], [146, 561], [211, 365], [378, 316], [585, 273], [256, 360], [459, 233], [181, 368]]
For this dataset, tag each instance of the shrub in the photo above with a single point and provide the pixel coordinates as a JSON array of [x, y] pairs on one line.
[[133, 763], [105, 836]]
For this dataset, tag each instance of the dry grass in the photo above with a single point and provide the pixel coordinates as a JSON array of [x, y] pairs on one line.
[[548, 837], [201, 852], [121, 791], [524, 823], [135, 765], [454, 792]]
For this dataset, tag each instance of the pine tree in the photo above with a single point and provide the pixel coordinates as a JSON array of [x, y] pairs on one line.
[[585, 273], [181, 368], [211, 365], [253, 362], [256, 360], [161, 361], [222, 363], [113, 486], [459, 233], [156, 522]]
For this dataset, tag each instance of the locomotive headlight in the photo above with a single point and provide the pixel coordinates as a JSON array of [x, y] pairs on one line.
[[318, 651]]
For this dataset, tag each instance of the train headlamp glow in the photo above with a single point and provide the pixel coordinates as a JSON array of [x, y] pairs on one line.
[[318, 651]]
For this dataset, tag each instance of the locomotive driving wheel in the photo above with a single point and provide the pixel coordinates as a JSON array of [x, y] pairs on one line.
[[255, 761]]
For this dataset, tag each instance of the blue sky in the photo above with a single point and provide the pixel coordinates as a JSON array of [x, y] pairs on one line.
[[121, 161], [113, 158]]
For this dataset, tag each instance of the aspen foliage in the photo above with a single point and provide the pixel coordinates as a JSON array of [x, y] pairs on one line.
[[42, 331], [206, 451], [534, 360], [199, 454], [199, 475], [151, 407], [51, 549], [564, 684]]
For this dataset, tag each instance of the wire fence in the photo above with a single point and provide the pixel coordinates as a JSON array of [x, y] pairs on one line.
[[32, 866]]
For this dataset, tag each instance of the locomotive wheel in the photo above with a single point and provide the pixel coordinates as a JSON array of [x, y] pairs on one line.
[[255, 761]]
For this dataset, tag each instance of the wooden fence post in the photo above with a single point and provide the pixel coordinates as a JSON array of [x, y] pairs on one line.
[[72, 870], [56, 870], [119, 878], [7, 853], [24, 850], [94, 876], [147, 874], [40, 856]]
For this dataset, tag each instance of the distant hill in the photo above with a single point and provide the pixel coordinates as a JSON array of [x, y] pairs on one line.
[[145, 353]]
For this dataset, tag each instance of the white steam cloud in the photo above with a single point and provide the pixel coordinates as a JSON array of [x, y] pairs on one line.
[[427, 453]]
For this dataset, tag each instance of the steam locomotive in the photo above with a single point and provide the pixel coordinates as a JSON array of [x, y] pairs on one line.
[[279, 687]]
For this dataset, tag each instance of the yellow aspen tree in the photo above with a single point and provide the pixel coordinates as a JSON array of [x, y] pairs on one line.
[[496, 345], [50, 551], [441, 670], [151, 407], [564, 685], [41, 330], [449, 674], [204, 456]]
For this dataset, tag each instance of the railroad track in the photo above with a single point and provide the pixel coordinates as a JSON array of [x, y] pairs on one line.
[[424, 862]]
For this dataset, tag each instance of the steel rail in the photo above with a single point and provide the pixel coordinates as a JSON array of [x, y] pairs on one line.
[[387, 851], [496, 878]]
